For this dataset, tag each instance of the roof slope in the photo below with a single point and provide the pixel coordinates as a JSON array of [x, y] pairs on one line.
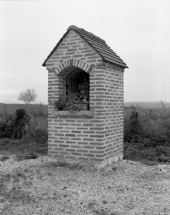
[[99, 45]]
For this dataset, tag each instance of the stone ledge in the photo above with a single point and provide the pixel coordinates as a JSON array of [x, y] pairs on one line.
[[109, 161], [100, 165], [72, 114]]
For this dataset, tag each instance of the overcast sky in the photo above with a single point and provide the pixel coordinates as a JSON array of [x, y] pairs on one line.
[[137, 30]]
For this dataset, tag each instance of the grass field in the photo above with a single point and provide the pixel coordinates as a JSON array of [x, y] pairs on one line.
[[155, 125], [149, 105], [36, 109], [146, 112]]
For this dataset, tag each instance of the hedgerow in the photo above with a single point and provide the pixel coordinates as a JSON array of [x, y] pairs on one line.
[[15, 125], [147, 137], [21, 125]]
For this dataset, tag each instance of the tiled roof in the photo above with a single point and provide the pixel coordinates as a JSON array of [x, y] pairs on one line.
[[100, 46]]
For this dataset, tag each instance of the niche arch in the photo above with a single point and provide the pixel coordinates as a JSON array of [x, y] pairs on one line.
[[72, 62]]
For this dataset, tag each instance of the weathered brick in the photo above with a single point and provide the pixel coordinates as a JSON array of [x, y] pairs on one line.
[[75, 146], [70, 135], [88, 155], [63, 146], [82, 150], [83, 158], [76, 132], [88, 147], [76, 153], [70, 142]]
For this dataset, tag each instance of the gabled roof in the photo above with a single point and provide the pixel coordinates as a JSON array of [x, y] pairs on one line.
[[99, 45]]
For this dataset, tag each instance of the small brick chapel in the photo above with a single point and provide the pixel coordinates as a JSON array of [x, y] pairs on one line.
[[82, 61]]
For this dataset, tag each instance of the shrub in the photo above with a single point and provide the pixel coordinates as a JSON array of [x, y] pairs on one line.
[[2, 129], [132, 152], [158, 141], [42, 150], [15, 125], [132, 127], [39, 135], [163, 150], [148, 153], [147, 138], [4, 157], [163, 158], [4, 142], [30, 155], [18, 125]]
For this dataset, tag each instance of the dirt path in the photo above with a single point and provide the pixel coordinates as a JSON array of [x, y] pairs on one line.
[[41, 187]]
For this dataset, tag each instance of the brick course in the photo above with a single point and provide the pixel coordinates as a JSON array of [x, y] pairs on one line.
[[96, 138]]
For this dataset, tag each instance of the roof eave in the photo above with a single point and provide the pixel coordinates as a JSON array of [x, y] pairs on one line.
[[125, 66]]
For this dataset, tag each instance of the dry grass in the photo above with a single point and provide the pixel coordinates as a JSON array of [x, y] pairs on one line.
[[46, 187], [21, 148]]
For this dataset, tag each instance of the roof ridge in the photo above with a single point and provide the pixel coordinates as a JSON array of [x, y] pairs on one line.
[[81, 29]]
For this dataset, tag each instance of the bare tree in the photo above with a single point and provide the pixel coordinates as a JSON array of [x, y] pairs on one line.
[[28, 96]]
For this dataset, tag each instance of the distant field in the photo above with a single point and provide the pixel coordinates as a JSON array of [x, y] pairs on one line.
[[147, 108], [148, 105], [39, 111], [34, 108], [144, 109]]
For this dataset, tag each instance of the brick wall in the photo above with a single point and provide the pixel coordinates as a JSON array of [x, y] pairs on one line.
[[92, 139]]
